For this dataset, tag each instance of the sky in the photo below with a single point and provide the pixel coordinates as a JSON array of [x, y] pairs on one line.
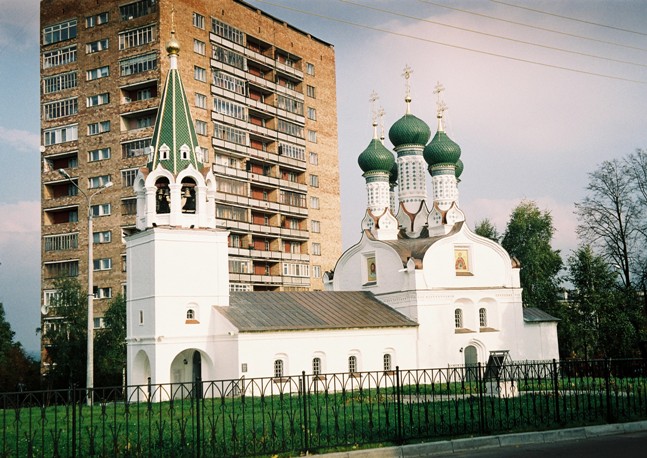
[[538, 94]]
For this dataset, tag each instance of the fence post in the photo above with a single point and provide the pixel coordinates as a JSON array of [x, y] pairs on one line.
[[480, 387], [607, 382], [73, 390], [399, 428], [304, 393], [556, 391], [198, 427]]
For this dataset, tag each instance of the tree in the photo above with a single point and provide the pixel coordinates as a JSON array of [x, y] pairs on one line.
[[527, 237], [110, 345], [593, 324], [66, 335], [486, 228], [17, 370]]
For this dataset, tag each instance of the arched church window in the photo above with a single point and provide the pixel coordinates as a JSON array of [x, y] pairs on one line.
[[387, 361], [162, 196], [188, 195], [190, 314], [316, 366], [278, 368], [482, 317], [458, 318], [352, 364]]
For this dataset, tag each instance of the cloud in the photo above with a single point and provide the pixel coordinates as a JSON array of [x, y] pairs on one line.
[[18, 219], [20, 140], [18, 25]]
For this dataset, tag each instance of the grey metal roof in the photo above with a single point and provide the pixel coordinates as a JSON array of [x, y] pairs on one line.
[[535, 315], [262, 311]]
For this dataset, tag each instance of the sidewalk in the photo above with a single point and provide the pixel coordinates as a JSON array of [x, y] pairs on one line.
[[491, 442]]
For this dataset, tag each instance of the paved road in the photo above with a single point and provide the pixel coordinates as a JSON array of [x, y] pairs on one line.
[[622, 445]]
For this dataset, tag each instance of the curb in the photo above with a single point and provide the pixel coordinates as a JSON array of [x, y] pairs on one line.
[[502, 440]]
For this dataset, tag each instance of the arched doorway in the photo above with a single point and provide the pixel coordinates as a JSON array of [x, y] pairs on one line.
[[197, 373], [471, 363]]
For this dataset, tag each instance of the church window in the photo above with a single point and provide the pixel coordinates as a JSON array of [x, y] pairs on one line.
[[162, 196], [190, 314], [316, 366], [482, 317], [387, 362], [278, 368], [458, 318], [184, 152], [352, 364], [164, 152], [141, 317]]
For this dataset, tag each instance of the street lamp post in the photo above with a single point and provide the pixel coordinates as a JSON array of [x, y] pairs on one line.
[[90, 343]]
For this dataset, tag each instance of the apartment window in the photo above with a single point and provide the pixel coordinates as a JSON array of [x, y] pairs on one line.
[[97, 182], [312, 114], [60, 82], [315, 226], [61, 108], [98, 127], [316, 271], [200, 127], [278, 368], [61, 242], [293, 151], [99, 99], [138, 64], [102, 237], [200, 74], [312, 136], [201, 101], [290, 104], [226, 31], [137, 9], [99, 323], [230, 186], [458, 318], [136, 37], [61, 135], [235, 241], [231, 134], [198, 21], [96, 73], [290, 128], [314, 202], [352, 364], [102, 264], [60, 56], [310, 68], [230, 83], [144, 121], [135, 148], [102, 293], [482, 317], [387, 360], [293, 199], [239, 266], [310, 91], [97, 19], [296, 270], [314, 158], [128, 177], [99, 154], [229, 108], [128, 207], [59, 32], [231, 213], [96, 46], [314, 181], [199, 47], [229, 57], [316, 249], [62, 269], [100, 210]]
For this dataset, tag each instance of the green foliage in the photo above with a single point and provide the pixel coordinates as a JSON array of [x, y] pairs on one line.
[[528, 238], [17, 370], [110, 344], [486, 228], [66, 337]]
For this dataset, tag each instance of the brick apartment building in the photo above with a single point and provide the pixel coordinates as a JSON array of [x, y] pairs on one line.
[[262, 94]]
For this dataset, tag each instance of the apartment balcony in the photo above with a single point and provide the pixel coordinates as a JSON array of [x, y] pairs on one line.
[[253, 278]]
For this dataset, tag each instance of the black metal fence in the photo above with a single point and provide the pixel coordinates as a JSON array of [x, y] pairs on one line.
[[266, 416]]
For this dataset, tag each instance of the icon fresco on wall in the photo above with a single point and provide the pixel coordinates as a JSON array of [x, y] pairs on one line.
[[371, 269], [461, 260]]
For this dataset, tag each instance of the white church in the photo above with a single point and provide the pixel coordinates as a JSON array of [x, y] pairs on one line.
[[419, 289]]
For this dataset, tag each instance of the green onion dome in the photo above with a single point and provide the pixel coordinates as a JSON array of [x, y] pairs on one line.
[[459, 168], [409, 130], [441, 150], [393, 176], [376, 158]]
